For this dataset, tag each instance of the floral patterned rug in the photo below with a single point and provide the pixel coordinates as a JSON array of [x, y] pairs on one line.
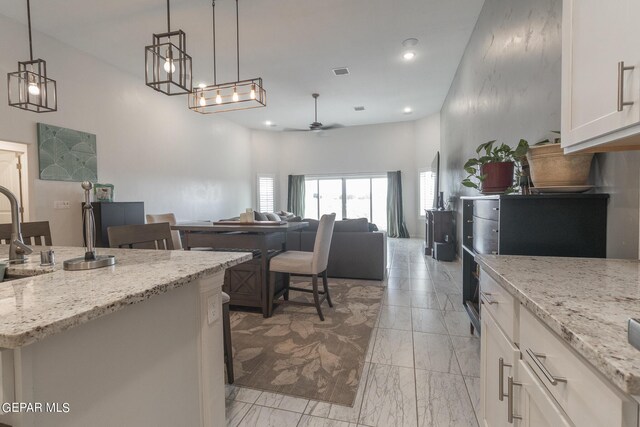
[[294, 353]]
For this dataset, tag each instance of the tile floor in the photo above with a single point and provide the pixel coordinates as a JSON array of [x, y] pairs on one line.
[[423, 365]]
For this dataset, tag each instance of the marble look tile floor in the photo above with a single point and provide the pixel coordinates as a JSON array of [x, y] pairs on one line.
[[423, 365]]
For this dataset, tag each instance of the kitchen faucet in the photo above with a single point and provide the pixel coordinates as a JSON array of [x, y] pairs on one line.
[[17, 248]]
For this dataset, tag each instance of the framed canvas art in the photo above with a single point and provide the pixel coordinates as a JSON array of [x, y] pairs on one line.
[[66, 154]]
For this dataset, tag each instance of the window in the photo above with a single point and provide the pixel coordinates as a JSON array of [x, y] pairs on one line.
[[266, 193], [427, 190], [349, 197]]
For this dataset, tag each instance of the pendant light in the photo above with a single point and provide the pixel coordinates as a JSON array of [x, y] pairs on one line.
[[237, 95], [168, 66], [29, 88]]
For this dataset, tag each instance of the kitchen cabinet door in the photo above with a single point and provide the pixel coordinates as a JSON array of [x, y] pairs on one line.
[[536, 406], [498, 359], [597, 36]]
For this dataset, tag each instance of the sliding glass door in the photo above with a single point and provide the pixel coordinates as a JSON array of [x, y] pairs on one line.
[[348, 197]]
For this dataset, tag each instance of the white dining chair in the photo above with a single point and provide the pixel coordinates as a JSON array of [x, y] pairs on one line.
[[311, 264], [171, 219]]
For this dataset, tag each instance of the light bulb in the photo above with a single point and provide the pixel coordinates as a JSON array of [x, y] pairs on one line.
[[169, 66], [218, 98], [235, 95], [203, 102], [34, 89], [252, 94]]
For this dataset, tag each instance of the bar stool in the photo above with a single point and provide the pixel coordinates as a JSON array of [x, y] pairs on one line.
[[226, 331]]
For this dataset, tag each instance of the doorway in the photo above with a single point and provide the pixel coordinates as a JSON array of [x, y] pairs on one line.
[[14, 175]]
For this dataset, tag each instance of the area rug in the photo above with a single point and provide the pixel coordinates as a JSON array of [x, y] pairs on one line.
[[294, 353]]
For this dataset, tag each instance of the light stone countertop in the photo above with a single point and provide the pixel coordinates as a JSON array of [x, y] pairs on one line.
[[55, 300], [586, 302]]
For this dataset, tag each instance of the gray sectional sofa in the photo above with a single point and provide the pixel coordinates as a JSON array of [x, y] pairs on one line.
[[356, 252]]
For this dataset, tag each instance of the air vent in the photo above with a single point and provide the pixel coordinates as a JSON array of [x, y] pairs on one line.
[[344, 71], [360, 108]]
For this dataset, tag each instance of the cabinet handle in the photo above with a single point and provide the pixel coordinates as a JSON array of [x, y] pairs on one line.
[[470, 221], [495, 209], [495, 230], [486, 296], [494, 252], [550, 377], [621, 70], [510, 415], [470, 237], [501, 366]]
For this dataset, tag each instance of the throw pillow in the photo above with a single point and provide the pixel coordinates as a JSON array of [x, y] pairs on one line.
[[273, 217], [259, 216], [358, 225]]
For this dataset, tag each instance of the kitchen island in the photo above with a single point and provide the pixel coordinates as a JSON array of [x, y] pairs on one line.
[[137, 343], [555, 348]]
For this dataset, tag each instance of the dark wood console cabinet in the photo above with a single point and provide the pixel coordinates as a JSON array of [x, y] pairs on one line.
[[573, 225], [109, 214], [438, 225]]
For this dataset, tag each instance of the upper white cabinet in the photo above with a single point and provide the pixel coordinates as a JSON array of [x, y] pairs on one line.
[[600, 75]]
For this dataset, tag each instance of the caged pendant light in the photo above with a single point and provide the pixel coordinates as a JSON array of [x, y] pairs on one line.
[[237, 95], [29, 88], [168, 66]]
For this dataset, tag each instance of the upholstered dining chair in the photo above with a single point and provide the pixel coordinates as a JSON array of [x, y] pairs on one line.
[[158, 236], [311, 264], [171, 219]]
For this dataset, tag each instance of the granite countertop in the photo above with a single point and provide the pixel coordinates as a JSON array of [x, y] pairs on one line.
[[585, 301], [52, 300]]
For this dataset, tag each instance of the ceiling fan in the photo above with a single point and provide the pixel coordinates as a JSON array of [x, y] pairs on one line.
[[316, 126]]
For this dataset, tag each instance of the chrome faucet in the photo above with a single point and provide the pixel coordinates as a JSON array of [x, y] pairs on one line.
[[17, 248]]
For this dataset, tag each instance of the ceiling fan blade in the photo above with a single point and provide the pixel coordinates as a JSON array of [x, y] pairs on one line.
[[294, 130], [333, 126]]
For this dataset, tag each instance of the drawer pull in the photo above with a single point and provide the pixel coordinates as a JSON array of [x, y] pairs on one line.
[[510, 416], [501, 366], [487, 296], [550, 377], [621, 69]]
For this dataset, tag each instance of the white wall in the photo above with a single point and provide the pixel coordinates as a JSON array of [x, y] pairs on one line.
[[150, 146], [405, 146]]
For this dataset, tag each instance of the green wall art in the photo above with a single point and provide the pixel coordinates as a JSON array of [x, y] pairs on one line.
[[66, 154]]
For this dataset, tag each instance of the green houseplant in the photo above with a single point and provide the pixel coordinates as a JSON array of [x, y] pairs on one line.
[[492, 170], [550, 167]]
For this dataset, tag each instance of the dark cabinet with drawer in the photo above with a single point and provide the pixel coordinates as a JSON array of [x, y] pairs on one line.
[[573, 225], [109, 214]]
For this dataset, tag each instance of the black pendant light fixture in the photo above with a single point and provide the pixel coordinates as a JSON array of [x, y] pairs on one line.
[[167, 65], [29, 88], [237, 95]]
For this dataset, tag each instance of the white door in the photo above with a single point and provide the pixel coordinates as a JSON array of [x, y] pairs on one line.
[[536, 406], [597, 35], [494, 348], [9, 178]]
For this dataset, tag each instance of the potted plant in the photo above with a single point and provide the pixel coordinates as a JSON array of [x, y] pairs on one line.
[[550, 167], [492, 171]]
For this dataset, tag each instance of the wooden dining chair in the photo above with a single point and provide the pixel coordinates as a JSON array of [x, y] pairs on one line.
[[141, 236], [171, 219], [158, 236], [36, 233], [311, 264]]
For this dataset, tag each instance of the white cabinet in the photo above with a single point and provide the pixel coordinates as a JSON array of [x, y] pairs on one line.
[[498, 362], [600, 99], [536, 407]]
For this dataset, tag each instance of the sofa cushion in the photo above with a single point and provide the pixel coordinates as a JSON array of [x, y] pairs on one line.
[[272, 217], [313, 224], [259, 216], [358, 224]]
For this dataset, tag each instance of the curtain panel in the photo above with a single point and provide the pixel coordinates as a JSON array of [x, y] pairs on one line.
[[295, 198], [396, 226]]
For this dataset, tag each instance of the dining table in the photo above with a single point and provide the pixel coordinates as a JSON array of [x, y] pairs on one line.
[[257, 236]]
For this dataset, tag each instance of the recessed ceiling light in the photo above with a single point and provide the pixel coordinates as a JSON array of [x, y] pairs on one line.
[[408, 110], [268, 123], [408, 56]]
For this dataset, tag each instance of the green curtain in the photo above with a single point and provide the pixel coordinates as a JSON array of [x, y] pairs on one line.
[[395, 215], [295, 200]]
